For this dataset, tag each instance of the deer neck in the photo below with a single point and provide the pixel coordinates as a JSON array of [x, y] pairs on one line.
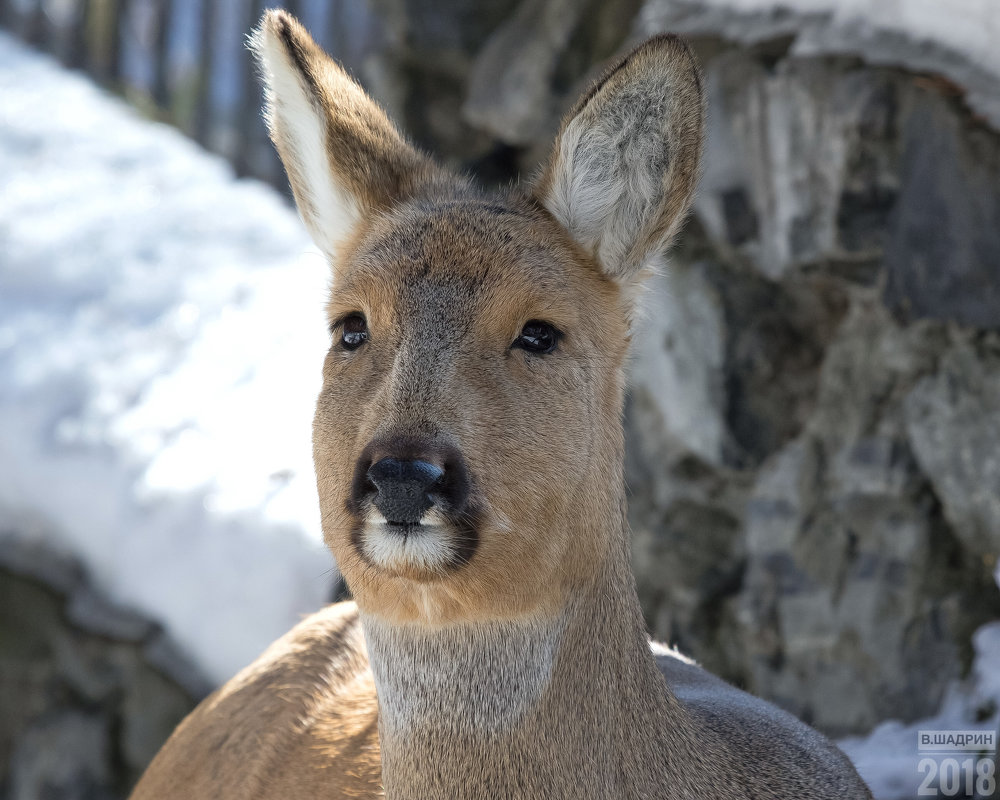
[[552, 708]]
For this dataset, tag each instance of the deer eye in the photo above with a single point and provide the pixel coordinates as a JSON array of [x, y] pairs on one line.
[[538, 337], [353, 331]]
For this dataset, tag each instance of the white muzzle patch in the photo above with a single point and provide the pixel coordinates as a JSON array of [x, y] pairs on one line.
[[426, 545]]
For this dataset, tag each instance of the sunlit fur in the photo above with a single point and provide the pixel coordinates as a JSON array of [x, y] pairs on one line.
[[297, 124], [499, 651]]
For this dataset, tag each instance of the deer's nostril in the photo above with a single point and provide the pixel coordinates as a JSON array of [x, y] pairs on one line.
[[402, 488]]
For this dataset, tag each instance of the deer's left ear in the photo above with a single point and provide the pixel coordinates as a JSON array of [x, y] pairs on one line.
[[625, 163]]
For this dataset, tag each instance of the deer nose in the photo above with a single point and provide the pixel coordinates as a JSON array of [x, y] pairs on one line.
[[402, 488]]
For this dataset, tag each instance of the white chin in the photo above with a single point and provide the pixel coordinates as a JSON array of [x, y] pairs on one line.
[[425, 546]]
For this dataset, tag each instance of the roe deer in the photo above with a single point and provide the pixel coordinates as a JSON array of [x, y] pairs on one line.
[[469, 455]]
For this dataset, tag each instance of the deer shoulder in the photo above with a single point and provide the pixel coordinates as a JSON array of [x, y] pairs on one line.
[[301, 721]]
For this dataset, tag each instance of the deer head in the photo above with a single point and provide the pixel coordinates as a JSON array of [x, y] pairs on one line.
[[467, 439]]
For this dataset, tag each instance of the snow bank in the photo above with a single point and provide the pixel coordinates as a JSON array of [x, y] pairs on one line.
[[888, 758], [161, 339], [970, 27], [953, 38]]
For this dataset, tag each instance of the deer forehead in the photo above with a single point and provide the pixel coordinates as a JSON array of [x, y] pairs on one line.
[[472, 267]]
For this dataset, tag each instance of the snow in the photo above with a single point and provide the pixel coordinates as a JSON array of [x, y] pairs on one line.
[[161, 340], [952, 38], [888, 758], [970, 27]]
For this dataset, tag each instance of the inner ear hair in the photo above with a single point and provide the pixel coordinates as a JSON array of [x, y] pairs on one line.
[[625, 162]]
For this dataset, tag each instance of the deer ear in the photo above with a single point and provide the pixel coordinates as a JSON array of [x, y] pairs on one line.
[[343, 156], [625, 163]]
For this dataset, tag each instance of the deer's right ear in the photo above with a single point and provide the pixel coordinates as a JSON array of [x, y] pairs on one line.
[[624, 166], [343, 156]]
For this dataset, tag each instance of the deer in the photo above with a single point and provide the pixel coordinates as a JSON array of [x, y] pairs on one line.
[[469, 451]]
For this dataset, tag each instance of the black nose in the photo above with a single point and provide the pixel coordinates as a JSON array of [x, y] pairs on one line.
[[402, 488]]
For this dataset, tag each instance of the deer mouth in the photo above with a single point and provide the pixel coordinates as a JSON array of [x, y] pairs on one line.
[[432, 548]]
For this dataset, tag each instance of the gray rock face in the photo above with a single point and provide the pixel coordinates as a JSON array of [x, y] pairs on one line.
[[952, 419], [945, 231], [86, 703], [846, 539], [683, 345], [813, 426], [840, 217]]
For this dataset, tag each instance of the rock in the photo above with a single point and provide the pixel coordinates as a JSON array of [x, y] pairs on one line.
[[89, 611], [859, 599], [687, 541], [32, 555], [149, 711], [774, 149], [953, 424], [811, 159], [803, 162], [680, 344], [944, 241], [510, 92], [65, 755], [701, 547], [421, 73], [162, 653], [534, 63], [775, 338], [835, 583], [920, 38], [87, 696]]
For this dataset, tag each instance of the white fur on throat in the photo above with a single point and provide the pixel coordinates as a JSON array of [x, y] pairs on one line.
[[296, 120], [461, 677]]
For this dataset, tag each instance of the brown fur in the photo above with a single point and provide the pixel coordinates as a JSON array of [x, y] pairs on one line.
[[520, 668]]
